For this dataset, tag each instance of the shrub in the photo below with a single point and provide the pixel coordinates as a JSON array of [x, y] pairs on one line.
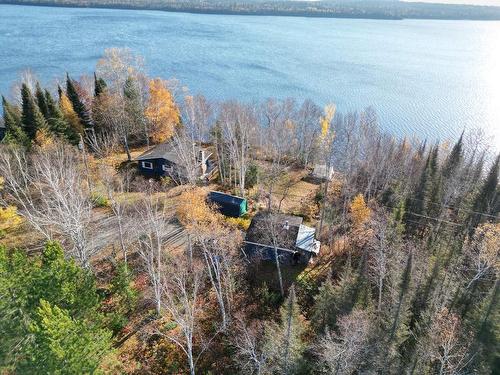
[[99, 200], [252, 175], [117, 322], [240, 222]]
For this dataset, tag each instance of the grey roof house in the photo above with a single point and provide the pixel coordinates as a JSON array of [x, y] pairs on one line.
[[164, 160], [294, 241]]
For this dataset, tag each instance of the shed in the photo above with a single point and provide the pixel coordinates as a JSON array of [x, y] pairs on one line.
[[322, 172], [228, 205]]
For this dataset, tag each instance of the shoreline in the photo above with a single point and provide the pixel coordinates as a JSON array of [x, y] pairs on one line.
[[250, 12]]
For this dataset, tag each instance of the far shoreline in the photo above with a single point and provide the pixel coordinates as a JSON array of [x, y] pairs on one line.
[[256, 13]]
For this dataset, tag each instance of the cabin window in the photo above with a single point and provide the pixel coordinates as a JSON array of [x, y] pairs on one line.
[[167, 168], [147, 165]]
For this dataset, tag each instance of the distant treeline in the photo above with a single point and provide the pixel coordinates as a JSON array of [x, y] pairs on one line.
[[394, 10]]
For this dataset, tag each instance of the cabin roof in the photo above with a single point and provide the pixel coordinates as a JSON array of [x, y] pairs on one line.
[[162, 151], [260, 232], [165, 151]]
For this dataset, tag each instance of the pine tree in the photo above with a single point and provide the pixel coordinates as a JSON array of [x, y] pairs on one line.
[[12, 121], [454, 159], [483, 204], [57, 122], [283, 341], [41, 101], [54, 302], [99, 86], [32, 118], [334, 300], [62, 343], [77, 103]]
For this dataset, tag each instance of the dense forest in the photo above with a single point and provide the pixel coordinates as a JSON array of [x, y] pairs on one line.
[[375, 9], [105, 271]]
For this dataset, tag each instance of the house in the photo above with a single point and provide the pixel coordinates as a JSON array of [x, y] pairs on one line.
[[228, 205], [164, 160], [294, 241], [322, 173]]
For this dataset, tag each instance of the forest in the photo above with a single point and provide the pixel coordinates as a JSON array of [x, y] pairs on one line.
[[368, 9], [106, 271]]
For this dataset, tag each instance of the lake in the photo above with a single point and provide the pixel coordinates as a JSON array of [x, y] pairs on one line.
[[423, 77]]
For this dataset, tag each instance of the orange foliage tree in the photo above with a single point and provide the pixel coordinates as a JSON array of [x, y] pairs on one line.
[[162, 112]]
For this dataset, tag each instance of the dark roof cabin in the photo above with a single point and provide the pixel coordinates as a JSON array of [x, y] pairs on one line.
[[294, 241], [228, 205], [164, 160]]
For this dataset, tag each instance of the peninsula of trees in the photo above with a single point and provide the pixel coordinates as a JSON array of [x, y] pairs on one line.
[[374, 9], [105, 271]]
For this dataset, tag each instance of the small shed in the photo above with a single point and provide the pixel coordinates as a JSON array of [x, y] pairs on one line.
[[228, 205], [322, 172]]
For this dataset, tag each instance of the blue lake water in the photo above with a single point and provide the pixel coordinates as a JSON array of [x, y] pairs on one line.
[[429, 78]]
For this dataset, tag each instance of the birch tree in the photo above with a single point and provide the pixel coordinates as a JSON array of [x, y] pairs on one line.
[[155, 231], [343, 351], [49, 189]]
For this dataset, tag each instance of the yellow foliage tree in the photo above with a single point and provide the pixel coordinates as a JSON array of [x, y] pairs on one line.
[[360, 212], [69, 114], [327, 119], [193, 210], [162, 112], [44, 139], [9, 218]]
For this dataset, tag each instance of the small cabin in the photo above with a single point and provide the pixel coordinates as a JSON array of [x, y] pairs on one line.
[[228, 205], [294, 242], [164, 160]]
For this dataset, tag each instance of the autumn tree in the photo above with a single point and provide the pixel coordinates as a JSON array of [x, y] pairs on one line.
[[161, 112], [360, 212]]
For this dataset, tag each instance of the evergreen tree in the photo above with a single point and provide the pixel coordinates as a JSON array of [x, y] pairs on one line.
[[51, 299], [63, 345], [416, 203], [77, 103], [12, 121], [283, 341], [483, 204], [99, 86], [41, 101], [57, 122], [32, 118], [334, 300], [454, 159]]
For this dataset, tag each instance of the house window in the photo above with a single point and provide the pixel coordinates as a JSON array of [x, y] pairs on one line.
[[167, 168], [147, 165]]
